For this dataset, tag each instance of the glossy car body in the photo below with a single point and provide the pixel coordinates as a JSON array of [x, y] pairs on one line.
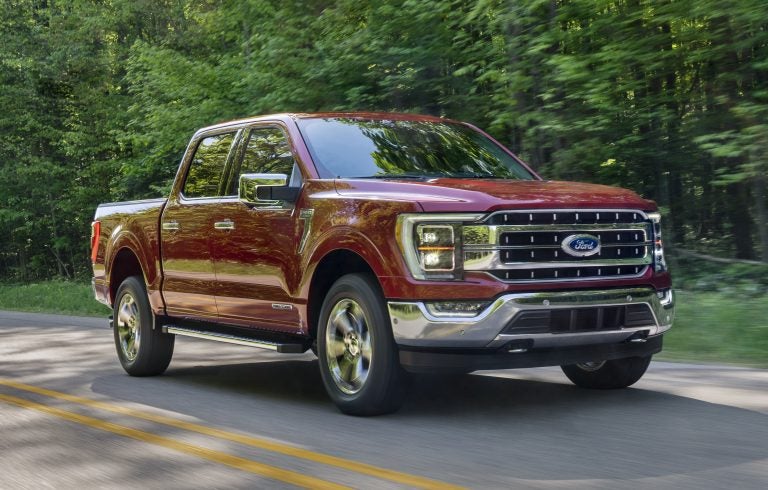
[[221, 260]]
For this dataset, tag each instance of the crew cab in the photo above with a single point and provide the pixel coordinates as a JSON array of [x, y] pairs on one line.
[[387, 244]]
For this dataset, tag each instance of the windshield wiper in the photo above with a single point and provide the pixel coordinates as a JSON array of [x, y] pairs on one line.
[[398, 176], [473, 175], [454, 175]]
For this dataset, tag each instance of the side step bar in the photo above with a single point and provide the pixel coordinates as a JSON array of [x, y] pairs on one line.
[[282, 347]]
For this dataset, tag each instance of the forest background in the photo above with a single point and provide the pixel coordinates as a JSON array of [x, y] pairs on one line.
[[98, 99], [669, 98]]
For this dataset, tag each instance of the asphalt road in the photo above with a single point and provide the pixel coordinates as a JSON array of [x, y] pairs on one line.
[[227, 416]]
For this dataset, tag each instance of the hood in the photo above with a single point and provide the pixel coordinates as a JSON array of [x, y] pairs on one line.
[[482, 195]]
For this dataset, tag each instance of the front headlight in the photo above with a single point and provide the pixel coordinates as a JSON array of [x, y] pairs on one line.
[[659, 263], [431, 243], [436, 247]]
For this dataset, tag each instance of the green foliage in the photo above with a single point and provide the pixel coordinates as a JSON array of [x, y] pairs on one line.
[[718, 327], [61, 297], [735, 280], [668, 98]]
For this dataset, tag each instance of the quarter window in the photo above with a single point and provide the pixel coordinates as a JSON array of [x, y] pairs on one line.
[[207, 168]]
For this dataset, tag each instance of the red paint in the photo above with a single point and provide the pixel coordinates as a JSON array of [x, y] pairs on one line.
[[247, 276], [475, 195]]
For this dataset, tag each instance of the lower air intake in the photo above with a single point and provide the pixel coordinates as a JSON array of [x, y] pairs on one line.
[[588, 319]]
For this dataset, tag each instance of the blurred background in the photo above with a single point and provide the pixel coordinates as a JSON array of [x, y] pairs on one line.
[[668, 98]]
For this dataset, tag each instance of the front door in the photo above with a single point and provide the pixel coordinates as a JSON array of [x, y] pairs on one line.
[[254, 248]]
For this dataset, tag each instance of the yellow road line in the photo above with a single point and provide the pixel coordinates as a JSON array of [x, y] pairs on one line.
[[211, 455], [276, 447]]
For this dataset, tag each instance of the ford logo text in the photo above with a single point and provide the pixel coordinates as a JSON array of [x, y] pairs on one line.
[[581, 245]]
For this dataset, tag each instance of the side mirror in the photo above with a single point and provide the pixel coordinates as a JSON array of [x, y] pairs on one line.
[[266, 189]]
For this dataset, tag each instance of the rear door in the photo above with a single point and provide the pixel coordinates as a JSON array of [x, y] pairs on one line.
[[187, 224], [255, 249]]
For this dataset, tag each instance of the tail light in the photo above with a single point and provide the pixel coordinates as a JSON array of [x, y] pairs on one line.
[[95, 234]]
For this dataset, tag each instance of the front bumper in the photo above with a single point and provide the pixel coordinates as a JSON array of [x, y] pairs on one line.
[[414, 326], [417, 360]]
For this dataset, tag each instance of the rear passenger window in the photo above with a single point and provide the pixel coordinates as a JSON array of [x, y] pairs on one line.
[[207, 168], [266, 152]]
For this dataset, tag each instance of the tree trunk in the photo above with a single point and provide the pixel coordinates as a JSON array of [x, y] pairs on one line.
[[741, 221], [761, 213]]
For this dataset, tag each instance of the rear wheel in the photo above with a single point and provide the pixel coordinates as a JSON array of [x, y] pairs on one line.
[[359, 361], [607, 375], [143, 350]]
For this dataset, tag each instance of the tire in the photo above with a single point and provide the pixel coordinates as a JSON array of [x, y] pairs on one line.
[[359, 361], [607, 375], [142, 349]]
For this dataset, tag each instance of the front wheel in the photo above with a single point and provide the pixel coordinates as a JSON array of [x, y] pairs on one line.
[[142, 348], [607, 375], [359, 361]]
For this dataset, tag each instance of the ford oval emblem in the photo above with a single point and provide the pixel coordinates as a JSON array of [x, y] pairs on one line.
[[581, 245]]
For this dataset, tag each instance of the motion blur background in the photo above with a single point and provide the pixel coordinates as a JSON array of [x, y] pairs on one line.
[[668, 98]]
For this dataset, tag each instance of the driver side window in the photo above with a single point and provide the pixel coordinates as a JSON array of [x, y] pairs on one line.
[[266, 152]]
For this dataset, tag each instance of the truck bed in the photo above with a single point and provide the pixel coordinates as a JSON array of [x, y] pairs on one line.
[[129, 225]]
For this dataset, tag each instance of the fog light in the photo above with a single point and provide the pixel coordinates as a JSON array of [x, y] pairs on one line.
[[456, 308], [665, 296]]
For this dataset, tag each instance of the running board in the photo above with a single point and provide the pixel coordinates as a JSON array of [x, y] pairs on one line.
[[282, 347]]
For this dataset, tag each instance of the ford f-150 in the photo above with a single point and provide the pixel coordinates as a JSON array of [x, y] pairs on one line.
[[387, 244]]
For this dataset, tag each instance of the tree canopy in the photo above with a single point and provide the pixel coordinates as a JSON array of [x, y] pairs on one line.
[[666, 97]]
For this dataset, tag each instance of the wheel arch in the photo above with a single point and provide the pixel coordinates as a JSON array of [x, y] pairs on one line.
[[133, 250], [124, 264], [330, 268]]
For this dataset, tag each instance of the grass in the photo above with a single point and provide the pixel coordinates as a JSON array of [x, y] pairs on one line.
[[721, 327], [63, 297]]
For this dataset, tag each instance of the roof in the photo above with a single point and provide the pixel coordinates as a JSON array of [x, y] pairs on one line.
[[396, 116]]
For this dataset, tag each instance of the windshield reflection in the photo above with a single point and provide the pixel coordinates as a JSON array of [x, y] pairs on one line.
[[355, 148]]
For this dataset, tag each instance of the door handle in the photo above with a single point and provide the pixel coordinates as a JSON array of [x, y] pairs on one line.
[[227, 224], [171, 225]]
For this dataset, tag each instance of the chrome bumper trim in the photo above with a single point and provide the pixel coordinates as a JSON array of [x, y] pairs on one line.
[[413, 325]]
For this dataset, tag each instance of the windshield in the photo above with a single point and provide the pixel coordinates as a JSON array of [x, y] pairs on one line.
[[343, 147]]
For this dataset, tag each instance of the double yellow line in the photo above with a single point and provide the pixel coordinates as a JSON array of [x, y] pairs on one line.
[[220, 457]]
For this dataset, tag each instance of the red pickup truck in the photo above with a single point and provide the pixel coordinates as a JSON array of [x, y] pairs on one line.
[[387, 244]]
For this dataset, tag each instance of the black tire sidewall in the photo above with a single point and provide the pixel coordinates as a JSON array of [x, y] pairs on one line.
[[614, 374], [156, 348]]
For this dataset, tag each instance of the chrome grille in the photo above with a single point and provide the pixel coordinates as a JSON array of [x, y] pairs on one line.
[[568, 217], [525, 246], [544, 246]]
